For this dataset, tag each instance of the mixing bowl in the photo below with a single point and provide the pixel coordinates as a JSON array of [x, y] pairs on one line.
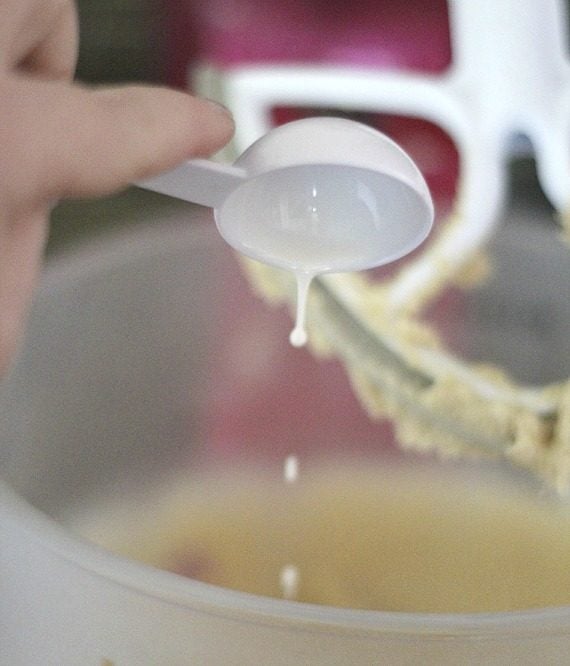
[[149, 364]]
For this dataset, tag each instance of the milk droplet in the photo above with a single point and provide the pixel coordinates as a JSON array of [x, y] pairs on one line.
[[289, 579], [291, 469], [298, 336]]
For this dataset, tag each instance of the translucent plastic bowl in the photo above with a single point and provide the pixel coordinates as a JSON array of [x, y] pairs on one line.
[[114, 390]]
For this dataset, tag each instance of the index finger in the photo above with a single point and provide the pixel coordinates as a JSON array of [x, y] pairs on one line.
[[64, 140]]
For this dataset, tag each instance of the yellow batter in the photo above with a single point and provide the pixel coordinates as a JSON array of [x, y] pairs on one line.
[[359, 537]]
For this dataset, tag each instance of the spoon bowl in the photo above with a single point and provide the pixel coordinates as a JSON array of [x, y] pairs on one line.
[[315, 195], [326, 194]]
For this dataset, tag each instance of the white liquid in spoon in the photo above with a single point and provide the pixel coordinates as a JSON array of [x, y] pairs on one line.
[[316, 219]]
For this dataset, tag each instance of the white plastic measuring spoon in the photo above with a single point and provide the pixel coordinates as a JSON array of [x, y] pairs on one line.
[[314, 196]]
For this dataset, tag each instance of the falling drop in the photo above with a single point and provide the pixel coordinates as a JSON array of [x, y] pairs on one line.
[[298, 336], [289, 579], [291, 469]]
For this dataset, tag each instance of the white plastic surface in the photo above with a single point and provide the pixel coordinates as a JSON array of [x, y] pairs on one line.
[[317, 195], [201, 181], [326, 194], [313, 196]]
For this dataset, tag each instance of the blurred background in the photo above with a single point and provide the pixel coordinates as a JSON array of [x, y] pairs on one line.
[[123, 40]]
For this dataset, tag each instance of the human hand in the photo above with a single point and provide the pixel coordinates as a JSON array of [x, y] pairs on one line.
[[59, 139]]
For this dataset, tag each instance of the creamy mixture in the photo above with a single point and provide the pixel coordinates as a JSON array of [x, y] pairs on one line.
[[352, 536]]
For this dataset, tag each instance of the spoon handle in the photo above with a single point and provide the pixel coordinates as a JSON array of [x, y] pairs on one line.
[[200, 181]]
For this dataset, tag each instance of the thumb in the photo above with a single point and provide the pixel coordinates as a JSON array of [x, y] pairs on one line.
[[90, 142]]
